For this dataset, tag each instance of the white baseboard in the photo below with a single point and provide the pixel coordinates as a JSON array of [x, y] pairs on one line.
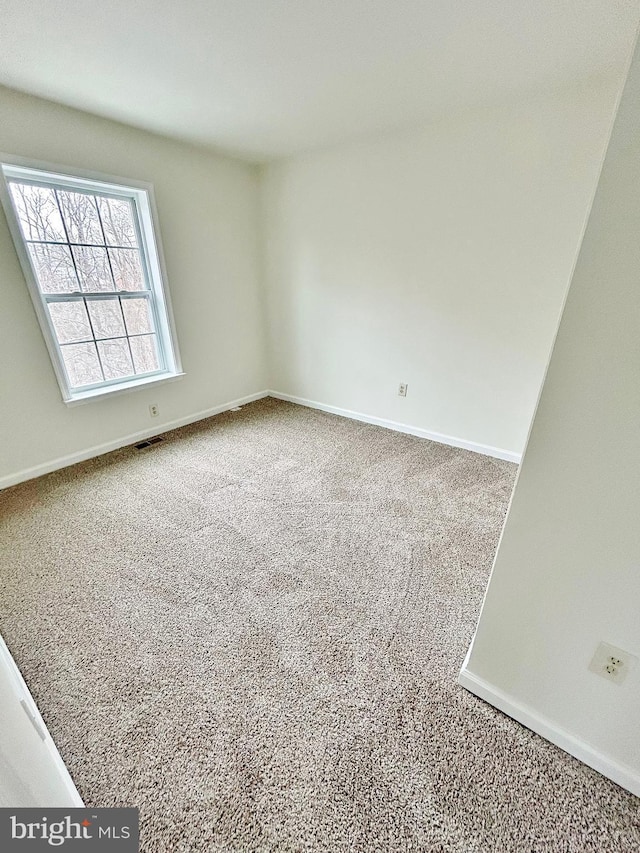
[[621, 774], [133, 438], [484, 449]]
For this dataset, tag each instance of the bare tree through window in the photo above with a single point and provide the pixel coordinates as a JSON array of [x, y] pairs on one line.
[[87, 259]]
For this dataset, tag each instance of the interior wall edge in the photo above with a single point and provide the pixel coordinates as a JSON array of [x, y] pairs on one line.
[[66, 794], [619, 773]]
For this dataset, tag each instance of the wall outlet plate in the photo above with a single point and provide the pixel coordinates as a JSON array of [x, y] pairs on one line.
[[612, 663]]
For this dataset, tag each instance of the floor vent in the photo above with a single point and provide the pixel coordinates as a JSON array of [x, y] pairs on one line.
[[148, 442]]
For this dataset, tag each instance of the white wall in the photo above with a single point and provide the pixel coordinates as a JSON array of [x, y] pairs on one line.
[[567, 573], [438, 257], [208, 210]]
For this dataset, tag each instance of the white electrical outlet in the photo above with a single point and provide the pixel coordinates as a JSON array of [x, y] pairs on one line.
[[612, 663], [402, 389], [154, 410]]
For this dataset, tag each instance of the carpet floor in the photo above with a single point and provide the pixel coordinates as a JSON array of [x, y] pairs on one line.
[[253, 630]]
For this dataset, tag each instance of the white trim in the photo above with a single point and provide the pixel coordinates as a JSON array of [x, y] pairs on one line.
[[484, 449], [97, 450], [142, 198], [22, 692], [115, 390], [132, 438], [621, 774]]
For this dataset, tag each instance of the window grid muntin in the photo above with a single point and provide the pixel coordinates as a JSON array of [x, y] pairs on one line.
[[80, 245], [109, 296], [70, 295], [147, 292], [138, 193], [111, 338]]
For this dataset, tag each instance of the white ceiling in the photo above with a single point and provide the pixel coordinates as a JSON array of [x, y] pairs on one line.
[[268, 78]]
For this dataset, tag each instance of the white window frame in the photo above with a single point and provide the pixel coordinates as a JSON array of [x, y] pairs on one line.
[[142, 195]]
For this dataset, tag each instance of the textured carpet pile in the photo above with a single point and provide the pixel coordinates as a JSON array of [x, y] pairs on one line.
[[253, 630]]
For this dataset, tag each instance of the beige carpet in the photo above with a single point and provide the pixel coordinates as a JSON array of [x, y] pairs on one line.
[[252, 631]]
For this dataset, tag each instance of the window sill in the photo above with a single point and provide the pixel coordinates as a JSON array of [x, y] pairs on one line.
[[100, 393]]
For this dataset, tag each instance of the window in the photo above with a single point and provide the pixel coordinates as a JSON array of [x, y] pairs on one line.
[[90, 256]]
